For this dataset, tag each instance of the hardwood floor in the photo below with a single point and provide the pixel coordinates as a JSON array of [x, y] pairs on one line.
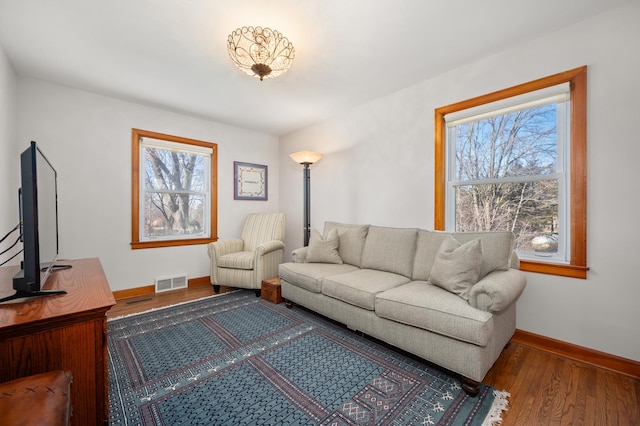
[[545, 389], [143, 303]]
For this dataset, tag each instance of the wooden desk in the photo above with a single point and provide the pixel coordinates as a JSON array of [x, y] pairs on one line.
[[61, 332]]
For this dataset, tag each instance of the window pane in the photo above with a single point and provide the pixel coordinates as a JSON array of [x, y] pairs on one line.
[[173, 198], [528, 209], [174, 215], [174, 171], [520, 143]]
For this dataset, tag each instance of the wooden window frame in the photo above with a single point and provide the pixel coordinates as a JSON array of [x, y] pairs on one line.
[[577, 79], [135, 192]]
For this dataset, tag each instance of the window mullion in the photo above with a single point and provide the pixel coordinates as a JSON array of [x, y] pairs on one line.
[[510, 179]]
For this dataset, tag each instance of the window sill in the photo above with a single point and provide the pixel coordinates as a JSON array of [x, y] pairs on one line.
[[571, 271], [170, 243]]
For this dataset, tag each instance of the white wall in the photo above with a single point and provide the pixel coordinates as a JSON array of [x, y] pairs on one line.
[[87, 138], [8, 153], [378, 168]]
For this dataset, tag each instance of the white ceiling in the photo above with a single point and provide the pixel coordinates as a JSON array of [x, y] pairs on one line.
[[172, 53]]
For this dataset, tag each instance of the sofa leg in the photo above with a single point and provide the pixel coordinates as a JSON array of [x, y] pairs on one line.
[[288, 303], [258, 293], [216, 288], [471, 387]]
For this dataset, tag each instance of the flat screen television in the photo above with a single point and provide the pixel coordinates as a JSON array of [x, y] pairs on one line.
[[38, 205]]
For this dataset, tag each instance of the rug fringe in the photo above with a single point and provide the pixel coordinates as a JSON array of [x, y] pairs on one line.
[[500, 404], [169, 306]]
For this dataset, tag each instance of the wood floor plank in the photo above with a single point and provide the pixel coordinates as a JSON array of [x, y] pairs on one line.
[[571, 389], [523, 415], [545, 389], [522, 388], [549, 385], [601, 397], [618, 389], [590, 411], [565, 388]]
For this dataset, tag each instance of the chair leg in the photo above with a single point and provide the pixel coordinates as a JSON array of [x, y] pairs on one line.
[[216, 288]]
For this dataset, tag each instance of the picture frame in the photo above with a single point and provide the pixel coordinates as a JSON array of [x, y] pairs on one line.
[[250, 181]]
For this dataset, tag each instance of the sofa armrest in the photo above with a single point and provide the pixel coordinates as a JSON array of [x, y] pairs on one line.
[[299, 255], [497, 290], [222, 247], [268, 247]]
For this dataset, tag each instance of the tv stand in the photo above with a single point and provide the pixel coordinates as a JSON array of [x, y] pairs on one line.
[[19, 294], [60, 267], [66, 333]]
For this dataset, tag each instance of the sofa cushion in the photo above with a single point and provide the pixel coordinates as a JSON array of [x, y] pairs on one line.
[[497, 250], [308, 275], [429, 307], [360, 287], [457, 266], [323, 250], [390, 249], [237, 260], [352, 239]]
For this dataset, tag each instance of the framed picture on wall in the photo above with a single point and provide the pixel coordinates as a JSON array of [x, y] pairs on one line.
[[250, 181]]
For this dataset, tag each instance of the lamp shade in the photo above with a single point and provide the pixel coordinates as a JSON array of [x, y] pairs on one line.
[[305, 157]]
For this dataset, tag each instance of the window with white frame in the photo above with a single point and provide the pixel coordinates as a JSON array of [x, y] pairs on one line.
[[515, 160], [507, 170], [174, 190]]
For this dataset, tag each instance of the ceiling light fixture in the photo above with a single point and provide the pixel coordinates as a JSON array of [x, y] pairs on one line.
[[259, 51]]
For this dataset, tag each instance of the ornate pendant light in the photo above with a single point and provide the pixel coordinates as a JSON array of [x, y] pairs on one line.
[[259, 51]]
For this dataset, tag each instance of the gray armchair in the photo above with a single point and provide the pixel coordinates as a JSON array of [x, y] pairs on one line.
[[244, 262]]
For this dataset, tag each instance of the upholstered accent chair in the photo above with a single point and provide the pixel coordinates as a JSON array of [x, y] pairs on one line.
[[244, 262]]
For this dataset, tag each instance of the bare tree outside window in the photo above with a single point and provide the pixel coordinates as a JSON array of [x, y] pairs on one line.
[[507, 171], [506, 177], [174, 194]]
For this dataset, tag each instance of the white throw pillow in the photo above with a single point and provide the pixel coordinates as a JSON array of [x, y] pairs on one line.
[[323, 250], [457, 266]]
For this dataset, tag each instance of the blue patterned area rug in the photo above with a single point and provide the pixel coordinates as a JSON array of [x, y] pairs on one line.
[[235, 359]]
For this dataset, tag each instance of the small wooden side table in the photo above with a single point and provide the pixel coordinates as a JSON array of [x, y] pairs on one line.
[[271, 290]]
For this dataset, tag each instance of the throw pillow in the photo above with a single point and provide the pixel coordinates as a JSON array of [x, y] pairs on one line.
[[457, 266], [323, 250], [352, 238]]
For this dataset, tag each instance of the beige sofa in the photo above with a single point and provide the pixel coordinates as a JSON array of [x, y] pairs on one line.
[[449, 298]]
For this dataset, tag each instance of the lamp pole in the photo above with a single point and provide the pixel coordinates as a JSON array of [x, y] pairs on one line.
[[306, 158], [306, 176]]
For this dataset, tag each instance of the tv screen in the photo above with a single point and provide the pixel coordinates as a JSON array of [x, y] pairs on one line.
[[39, 223], [47, 214]]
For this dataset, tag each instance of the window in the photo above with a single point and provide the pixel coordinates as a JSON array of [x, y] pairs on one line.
[[174, 194], [516, 160]]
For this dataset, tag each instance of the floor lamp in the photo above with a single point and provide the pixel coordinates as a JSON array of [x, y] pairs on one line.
[[306, 158]]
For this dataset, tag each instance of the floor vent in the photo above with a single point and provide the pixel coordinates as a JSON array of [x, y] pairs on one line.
[[171, 283]]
